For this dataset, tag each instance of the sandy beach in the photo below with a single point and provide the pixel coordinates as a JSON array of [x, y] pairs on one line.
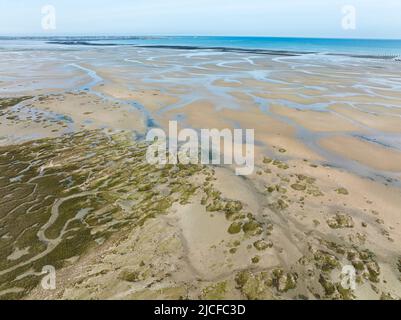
[[77, 193]]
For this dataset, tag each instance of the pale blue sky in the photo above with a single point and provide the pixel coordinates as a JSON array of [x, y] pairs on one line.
[[300, 18]]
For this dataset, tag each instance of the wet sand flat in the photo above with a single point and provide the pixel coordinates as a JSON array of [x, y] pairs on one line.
[[324, 121], [78, 193], [382, 121], [368, 153]]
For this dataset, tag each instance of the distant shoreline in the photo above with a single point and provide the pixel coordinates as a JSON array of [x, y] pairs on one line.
[[354, 48], [133, 37], [228, 49]]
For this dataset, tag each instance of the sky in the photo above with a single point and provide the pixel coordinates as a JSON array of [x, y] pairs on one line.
[[296, 18]]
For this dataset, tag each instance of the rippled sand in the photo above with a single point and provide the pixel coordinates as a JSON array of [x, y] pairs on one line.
[[325, 192]]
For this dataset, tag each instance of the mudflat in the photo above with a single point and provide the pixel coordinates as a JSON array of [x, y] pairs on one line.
[[78, 194]]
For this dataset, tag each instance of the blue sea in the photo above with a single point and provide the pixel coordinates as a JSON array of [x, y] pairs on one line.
[[340, 46], [369, 47]]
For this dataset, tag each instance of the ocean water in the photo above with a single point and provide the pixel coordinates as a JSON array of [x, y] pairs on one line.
[[336, 46], [329, 46]]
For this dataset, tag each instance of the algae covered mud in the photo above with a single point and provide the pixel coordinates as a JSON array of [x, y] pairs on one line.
[[77, 193]]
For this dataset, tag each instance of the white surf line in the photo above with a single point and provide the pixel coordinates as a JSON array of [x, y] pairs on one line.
[[140, 62], [224, 64], [250, 61], [134, 61]]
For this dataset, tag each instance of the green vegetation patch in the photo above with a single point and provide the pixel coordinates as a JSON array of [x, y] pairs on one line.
[[342, 191], [59, 195], [10, 102], [340, 221], [216, 291]]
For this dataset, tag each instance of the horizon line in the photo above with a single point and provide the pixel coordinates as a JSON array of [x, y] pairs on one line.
[[37, 36]]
